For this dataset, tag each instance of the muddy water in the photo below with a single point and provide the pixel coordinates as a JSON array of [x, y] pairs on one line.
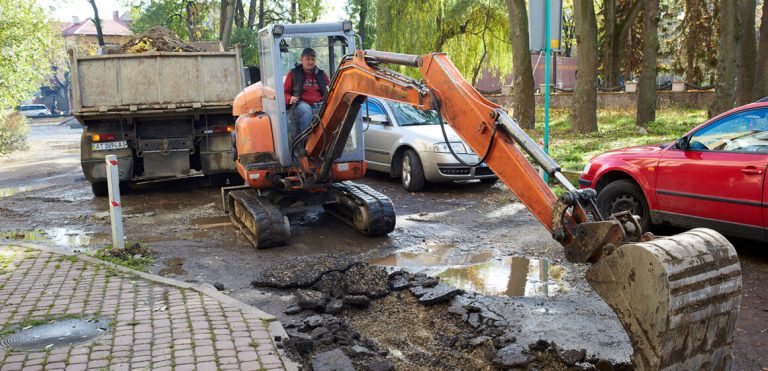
[[10, 191], [59, 237], [479, 272]]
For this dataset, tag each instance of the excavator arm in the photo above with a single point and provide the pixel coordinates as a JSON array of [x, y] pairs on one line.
[[572, 219], [677, 297]]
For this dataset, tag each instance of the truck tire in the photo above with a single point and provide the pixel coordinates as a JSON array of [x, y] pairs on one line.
[[621, 195], [412, 172], [99, 189]]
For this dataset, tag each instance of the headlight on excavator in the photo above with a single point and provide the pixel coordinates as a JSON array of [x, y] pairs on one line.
[[443, 147]]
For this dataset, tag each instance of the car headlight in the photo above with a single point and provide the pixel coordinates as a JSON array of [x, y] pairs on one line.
[[443, 147], [586, 168]]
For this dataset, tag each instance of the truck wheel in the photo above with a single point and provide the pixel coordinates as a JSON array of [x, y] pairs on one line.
[[412, 174], [622, 195], [99, 189]]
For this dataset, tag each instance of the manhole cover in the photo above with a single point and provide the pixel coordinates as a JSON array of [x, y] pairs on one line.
[[59, 333]]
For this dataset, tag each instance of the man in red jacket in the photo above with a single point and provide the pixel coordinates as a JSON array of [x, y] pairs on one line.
[[304, 88]]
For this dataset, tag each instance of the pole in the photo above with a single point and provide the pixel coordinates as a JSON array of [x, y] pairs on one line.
[[115, 211], [547, 51]]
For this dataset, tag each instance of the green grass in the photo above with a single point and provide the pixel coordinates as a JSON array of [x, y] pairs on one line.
[[134, 256], [616, 129]]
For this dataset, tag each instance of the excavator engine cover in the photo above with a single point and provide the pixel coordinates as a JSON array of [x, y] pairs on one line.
[[677, 297]]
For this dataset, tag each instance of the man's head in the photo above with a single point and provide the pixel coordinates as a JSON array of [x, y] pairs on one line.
[[308, 59]]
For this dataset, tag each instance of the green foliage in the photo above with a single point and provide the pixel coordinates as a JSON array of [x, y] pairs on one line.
[[13, 132], [617, 130], [462, 28], [29, 45], [249, 39], [133, 255], [354, 9], [173, 14]]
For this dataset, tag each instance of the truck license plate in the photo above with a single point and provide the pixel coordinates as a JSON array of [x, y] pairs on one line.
[[108, 146]]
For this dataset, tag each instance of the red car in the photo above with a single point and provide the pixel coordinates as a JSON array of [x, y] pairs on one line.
[[713, 176]]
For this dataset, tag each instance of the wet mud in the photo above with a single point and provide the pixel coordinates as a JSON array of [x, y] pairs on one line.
[[475, 238]]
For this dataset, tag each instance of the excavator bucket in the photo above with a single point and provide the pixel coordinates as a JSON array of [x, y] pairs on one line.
[[677, 297]]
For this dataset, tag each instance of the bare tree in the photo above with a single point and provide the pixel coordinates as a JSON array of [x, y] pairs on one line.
[[97, 22], [584, 110], [523, 104], [239, 14], [262, 14], [726, 59], [646, 88], [745, 79], [760, 88]]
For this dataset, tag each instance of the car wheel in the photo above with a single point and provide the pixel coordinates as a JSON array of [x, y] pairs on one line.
[[412, 173], [99, 189], [622, 195]]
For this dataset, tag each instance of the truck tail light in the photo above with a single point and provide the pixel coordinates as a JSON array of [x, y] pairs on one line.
[[102, 137], [219, 130]]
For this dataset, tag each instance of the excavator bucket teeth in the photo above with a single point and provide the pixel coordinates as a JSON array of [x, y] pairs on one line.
[[260, 220], [677, 297]]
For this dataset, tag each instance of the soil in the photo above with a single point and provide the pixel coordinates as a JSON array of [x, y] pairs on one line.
[[157, 39], [45, 198]]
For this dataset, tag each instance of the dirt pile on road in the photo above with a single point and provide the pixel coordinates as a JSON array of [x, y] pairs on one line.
[[157, 39]]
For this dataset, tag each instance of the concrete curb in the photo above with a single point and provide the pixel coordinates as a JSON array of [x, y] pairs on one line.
[[274, 328]]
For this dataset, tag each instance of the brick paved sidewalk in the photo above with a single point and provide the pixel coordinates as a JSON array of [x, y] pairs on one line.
[[157, 323]]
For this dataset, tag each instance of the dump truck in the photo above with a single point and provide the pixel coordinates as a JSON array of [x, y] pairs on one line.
[[165, 115]]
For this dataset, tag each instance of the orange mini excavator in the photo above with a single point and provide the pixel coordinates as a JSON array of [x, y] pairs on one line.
[[677, 297]]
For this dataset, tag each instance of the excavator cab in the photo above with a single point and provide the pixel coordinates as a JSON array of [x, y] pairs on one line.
[[280, 49]]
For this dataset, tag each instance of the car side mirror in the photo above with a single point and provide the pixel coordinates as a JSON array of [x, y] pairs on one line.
[[379, 119], [681, 143]]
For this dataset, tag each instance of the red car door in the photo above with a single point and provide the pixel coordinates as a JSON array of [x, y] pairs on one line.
[[717, 181]]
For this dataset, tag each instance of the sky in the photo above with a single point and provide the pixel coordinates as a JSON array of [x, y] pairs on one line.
[[65, 9]]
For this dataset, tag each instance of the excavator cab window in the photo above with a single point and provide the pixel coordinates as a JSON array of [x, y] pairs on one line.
[[330, 50]]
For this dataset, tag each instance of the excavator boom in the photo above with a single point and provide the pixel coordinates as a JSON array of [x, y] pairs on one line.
[[677, 297]]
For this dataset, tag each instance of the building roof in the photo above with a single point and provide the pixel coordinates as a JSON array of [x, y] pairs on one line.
[[117, 26]]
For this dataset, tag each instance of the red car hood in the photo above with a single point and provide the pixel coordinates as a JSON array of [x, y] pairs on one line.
[[637, 151]]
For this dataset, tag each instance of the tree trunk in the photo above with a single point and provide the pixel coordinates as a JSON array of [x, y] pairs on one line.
[[747, 52], [189, 20], [361, 22], [614, 39], [646, 88], [262, 14], [584, 111], [294, 5], [523, 104], [726, 59], [239, 14], [252, 14], [692, 14], [760, 88], [226, 24], [97, 22]]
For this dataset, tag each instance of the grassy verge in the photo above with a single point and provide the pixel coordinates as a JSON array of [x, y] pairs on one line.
[[133, 255], [616, 129]]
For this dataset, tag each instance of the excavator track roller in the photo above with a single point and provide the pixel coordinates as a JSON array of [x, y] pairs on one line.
[[260, 220], [677, 297], [360, 206]]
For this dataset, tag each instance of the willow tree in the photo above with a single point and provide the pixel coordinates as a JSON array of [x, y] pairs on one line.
[[473, 33]]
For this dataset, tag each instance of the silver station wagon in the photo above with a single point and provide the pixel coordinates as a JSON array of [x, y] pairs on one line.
[[406, 142]]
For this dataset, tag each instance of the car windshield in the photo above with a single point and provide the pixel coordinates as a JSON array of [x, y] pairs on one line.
[[32, 108], [405, 114]]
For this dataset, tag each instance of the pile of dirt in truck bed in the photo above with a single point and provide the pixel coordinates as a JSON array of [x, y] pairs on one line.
[[157, 39]]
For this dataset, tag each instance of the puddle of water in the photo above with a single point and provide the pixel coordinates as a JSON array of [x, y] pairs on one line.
[[222, 223], [10, 191], [62, 237], [478, 272], [173, 267]]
